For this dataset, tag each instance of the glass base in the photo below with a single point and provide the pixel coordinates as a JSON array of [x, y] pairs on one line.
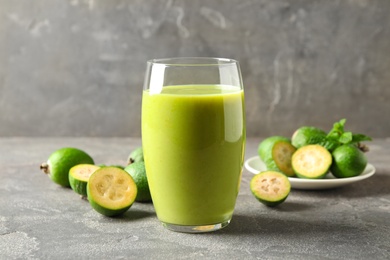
[[195, 229]]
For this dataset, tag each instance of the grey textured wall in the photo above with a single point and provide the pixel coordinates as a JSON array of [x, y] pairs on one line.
[[76, 67]]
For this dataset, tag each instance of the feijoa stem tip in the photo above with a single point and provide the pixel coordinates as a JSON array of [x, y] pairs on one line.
[[131, 160], [362, 147], [45, 168]]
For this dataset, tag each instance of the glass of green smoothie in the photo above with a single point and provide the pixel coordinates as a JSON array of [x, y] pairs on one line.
[[193, 137]]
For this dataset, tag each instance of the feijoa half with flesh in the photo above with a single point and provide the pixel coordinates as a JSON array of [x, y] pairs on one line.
[[79, 176], [282, 153], [270, 187], [311, 161], [111, 191], [265, 146], [276, 153]]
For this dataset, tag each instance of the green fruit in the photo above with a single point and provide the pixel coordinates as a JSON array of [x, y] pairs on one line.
[[137, 171], [348, 161], [311, 161], [137, 155], [270, 188], [281, 154], [60, 162], [79, 176], [276, 153], [111, 191], [306, 135], [266, 145]]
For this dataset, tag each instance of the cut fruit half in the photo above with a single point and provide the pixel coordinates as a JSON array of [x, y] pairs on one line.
[[111, 191], [281, 154], [265, 146], [270, 187], [276, 153], [311, 161], [79, 176]]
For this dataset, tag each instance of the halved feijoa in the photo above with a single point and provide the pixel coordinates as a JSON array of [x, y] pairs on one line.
[[79, 176], [60, 162], [311, 161], [266, 145], [270, 187], [281, 154], [111, 191], [276, 153]]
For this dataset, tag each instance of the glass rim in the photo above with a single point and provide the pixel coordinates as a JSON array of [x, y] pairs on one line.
[[196, 61]]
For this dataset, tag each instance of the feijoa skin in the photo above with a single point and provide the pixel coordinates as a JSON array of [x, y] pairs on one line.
[[138, 172], [306, 135], [59, 163], [348, 161], [137, 155]]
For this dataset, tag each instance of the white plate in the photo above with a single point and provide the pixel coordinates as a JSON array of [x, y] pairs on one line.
[[255, 165]]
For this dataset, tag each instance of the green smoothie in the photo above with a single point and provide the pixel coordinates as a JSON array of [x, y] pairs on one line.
[[193, 138]]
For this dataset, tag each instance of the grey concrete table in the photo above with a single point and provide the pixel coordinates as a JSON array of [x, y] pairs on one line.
[[40, 220]]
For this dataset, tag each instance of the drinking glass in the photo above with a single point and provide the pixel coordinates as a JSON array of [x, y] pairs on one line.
[[193, 137]]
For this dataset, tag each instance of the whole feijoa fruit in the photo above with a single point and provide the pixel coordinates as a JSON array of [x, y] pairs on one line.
[[138, 172], [59, 163]]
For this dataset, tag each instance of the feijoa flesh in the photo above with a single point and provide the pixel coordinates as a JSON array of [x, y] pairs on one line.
[[79, 176], [276, 153], [270, 187], [111, 191], [311, 161]]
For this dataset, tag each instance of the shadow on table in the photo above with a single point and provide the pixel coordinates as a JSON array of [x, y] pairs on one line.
[[136, 214], [289, 206], [375, 186], [137, 211], [260, 225]]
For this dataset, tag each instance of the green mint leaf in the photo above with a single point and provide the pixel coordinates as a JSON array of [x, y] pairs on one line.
[[333, 134], [345, 138], [356, 138], [330, 145], [337, 136], [338, 129], [339, 126]]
